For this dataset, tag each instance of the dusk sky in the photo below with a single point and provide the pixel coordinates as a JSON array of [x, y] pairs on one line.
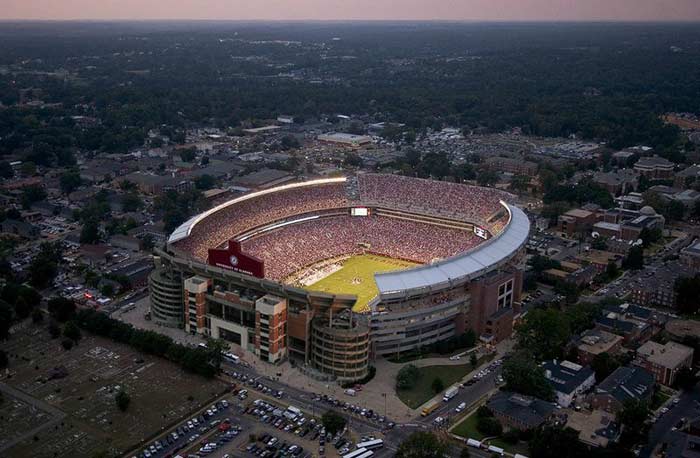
[[474, 10]]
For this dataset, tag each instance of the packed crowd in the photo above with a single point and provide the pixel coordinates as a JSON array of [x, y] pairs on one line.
[[436, 198], [294, 247], [439, 198], [231, 221]]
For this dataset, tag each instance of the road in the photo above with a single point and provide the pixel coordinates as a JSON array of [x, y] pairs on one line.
[[688, 407]]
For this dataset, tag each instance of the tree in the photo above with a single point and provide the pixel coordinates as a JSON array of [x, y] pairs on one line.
[[421, 445], [487, 177], [188, 154], [687, 291], [473, 360], [675, 210], [72, 331], [67, 343], [603, 364], [204, 182], [407, 377], [37, 316], [70, 181], [520, 183], [148, 242], [5, 319], [131, 202], [489, 426], [61, 308], [545, 333], [464, 453], [633, 417], [22, 309], [634, 259], [438, 385], [333, 421], [122, 399], [90, 233], [523, 375], [54, 330], [4, 361], [556, 442], [6, 170], [32, 194], [686, 379]]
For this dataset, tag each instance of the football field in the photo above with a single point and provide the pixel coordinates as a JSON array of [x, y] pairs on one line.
[[357, 277]]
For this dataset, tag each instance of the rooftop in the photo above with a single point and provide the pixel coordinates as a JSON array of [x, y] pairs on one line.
[[671, 355], [628, 382], [565, 376]]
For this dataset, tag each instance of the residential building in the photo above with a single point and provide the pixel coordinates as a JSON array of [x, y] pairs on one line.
[[596, 429], [664, 361], [594, 342], [617, 182], [624, 384], [657, 288], [19, 228], [687, 177], [568, 379]]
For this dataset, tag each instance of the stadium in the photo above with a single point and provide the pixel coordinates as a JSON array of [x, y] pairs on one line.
[[334, 272]]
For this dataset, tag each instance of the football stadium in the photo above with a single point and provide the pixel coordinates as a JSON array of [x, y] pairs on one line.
[[332, 273]]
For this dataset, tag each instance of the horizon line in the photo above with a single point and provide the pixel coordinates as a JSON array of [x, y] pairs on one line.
[[358, 20]]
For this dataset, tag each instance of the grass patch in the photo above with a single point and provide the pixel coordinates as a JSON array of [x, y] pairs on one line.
[[423, 391], [659, 399], [467, 429], [356, 277]]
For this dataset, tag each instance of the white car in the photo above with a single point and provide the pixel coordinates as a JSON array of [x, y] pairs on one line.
[[461, 407], [454, 358]]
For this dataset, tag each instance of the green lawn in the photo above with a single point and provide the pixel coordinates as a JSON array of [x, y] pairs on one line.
[[423, 391], [467, 429], [356, 277]]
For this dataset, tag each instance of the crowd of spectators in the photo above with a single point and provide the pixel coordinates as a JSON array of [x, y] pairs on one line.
[[291, 248], [437, 198], [225, 224]]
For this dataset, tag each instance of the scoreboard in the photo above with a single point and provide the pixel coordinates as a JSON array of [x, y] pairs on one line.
[[359, 211]]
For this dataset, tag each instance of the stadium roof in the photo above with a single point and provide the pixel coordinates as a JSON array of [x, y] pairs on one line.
[[465, 266], [184, 229]]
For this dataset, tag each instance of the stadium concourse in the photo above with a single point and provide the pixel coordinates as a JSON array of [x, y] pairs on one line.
[[245, 271]]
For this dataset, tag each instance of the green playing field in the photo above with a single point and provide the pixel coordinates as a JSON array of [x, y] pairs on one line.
[[357, 277]]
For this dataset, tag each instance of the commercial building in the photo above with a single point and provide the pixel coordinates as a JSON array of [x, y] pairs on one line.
[[519, 411], [664, 361], [343, 139], [655, 168], [576, 221]]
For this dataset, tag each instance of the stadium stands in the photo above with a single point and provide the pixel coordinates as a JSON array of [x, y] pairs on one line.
[[248, 214], [438, 198], [296, 246]]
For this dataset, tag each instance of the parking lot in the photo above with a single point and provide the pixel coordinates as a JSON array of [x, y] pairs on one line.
[[81, 384]]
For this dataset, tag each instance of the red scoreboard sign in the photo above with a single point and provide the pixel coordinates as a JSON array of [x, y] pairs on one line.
[[233, 258]]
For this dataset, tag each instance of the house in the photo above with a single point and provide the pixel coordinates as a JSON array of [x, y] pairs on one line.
[[19, 228], [519, 411], [624, 384], [664, 361], [594, 342], [568, 379]]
